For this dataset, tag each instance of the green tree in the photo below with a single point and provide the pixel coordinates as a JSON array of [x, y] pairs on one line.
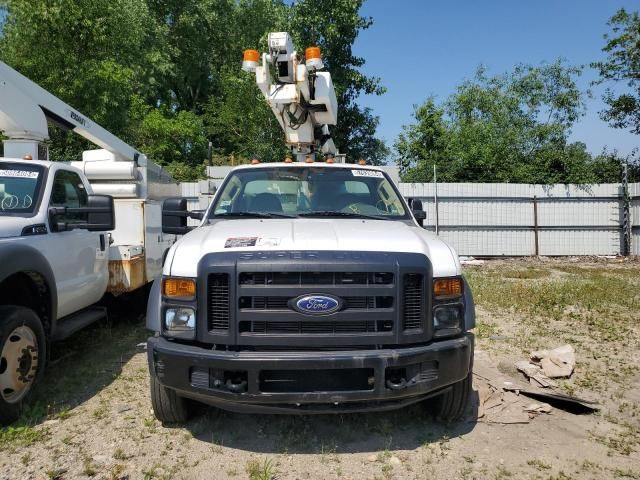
[[423, 144], [165, 75], [622, 67], [505, 128], [334, 26], [100, 56]]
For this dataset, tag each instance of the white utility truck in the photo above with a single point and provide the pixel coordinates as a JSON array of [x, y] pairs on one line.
[[64, 240], [308, 287]]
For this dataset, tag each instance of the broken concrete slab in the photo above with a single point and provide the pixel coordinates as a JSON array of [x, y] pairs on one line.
[[556, 363], [558, 400]]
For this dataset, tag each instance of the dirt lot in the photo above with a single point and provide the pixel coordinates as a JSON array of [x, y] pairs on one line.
[[92, 417]]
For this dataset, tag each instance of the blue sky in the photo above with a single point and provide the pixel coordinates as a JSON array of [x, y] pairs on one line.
[[424, 47]]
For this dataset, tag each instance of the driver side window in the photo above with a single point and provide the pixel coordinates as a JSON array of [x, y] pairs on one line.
[[68, 191]]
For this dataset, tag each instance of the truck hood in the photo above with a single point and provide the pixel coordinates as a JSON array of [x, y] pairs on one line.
[[309, 234], [12, 226]]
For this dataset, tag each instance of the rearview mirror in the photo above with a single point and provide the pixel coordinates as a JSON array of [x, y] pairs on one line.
[[175, 215], [99, 211]]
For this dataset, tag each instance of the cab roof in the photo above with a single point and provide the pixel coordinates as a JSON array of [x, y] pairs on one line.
[[350, 166], [42, 163]]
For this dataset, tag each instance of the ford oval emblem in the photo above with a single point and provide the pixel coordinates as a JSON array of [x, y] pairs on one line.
[[317, 304]]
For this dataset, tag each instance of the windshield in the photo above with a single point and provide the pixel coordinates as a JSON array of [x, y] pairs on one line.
[[308, 191], [19, 188]]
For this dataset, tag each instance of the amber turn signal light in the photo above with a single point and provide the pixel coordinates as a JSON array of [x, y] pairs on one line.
[[447, 287], [184, 288]]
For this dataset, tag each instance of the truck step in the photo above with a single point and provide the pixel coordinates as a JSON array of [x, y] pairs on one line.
[[67, 326]]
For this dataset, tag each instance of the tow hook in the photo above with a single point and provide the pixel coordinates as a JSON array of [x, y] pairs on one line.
[[396, 383], [239, 387]]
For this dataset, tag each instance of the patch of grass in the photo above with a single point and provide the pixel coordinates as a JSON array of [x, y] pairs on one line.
[[24, 436], [528, 273], [502, 473], [62, 414], [88, 468], [118, 454], [159, 472], [151, 424], [217, 446], [538, 464], [624, 441], [486, 329], [101, 412], [117, 472], [387, 471], [328, 454], [560, 476], [85, 363], [55, 473], [264, 470], [620, 473], [26, 459]]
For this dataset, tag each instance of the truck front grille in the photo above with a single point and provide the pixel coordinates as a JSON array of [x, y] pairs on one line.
[[315, 278], [282, 303], [413, 301], [218, 285], [250, 299]]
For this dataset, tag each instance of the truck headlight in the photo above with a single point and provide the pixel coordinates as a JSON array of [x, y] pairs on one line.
[[447, 321], [180, 322]]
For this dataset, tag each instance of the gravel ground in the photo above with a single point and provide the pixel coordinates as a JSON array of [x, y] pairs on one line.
[[91, 417]]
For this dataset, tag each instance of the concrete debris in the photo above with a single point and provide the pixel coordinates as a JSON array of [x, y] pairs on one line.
[[564, 402], [535, 374], [556, 363], [470, 261], [543, 365], [538, 408], [496, 405]]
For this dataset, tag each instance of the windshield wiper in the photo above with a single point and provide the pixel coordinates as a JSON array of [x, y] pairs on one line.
[[331, 213], [251, 215]]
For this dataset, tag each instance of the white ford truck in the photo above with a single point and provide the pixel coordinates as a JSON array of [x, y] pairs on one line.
[[308, 288], [53, 265], [60, 250]]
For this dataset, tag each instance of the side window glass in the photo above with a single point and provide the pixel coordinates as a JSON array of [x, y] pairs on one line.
[[68, 191]]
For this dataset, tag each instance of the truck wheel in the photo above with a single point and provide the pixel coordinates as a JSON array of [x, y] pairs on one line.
[[168, 407], [451, 405], [22, 358]]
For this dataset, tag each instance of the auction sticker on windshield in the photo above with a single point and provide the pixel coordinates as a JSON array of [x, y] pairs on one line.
[[367, 173], [18, 174]]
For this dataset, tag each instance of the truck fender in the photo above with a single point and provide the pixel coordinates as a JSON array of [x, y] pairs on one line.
[[153, 306], [15, 258], [469, 307]]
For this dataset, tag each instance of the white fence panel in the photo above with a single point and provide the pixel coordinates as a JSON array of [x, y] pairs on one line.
[[497, 219]]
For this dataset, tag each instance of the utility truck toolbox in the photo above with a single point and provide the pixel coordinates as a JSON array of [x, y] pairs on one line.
[[308, 288]]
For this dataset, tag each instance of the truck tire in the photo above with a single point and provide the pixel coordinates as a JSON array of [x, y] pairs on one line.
[[451, 405], [22, 358], [168, 407]]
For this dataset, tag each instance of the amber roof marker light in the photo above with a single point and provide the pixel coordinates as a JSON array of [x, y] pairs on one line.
[[313, 58], [250, 59]]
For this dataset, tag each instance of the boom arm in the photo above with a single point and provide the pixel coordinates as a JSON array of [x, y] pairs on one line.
[[24, 110], [302, 98]]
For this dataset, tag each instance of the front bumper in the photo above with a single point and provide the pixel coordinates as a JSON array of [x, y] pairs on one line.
[[306, 382]]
